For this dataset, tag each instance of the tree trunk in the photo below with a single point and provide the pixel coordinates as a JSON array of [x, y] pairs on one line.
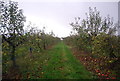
[[13, 56], [44, 45], [31, 52]]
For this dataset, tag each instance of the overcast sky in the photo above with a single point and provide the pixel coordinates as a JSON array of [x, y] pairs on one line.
[[56, 15]]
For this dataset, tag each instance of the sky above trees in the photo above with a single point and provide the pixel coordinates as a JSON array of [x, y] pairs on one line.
[[57, 15]]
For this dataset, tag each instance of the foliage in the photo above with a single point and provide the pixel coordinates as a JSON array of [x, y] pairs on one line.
[[105, 45], [94, 24], [13, 35], [11, 25], [97, 35]]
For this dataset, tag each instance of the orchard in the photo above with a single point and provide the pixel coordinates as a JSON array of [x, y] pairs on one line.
[[93, 52]]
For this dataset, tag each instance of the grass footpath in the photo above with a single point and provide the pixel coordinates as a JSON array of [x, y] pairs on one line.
[[63, 65]]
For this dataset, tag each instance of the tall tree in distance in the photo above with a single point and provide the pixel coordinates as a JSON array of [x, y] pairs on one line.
[[11, 25]]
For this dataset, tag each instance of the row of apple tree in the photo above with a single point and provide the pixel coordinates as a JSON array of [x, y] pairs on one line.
[[97, 35], [15, 35]]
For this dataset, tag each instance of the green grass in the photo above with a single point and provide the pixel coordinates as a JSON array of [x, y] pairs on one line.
[[55, 63], [63, 65]]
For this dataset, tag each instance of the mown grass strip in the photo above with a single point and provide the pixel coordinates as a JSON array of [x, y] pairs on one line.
[[63, 65]]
